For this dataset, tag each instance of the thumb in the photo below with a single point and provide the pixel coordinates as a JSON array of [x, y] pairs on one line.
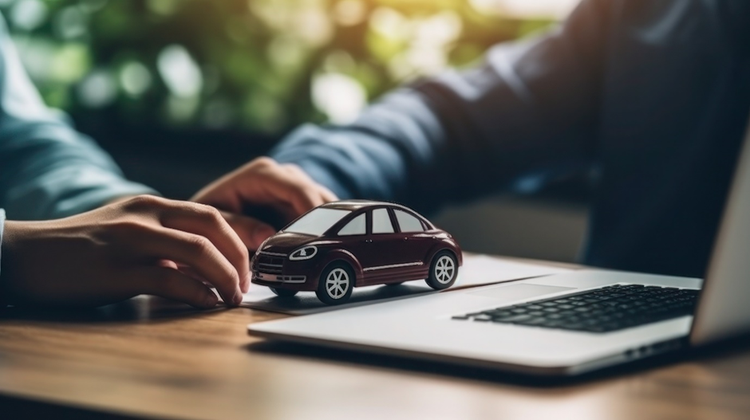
[[251, 231], [172, 284]]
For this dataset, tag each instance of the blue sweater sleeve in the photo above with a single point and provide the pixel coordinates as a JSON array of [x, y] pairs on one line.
[[47, 169], [527, 114]]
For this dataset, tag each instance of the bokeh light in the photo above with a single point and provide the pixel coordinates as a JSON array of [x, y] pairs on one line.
[[260, 66]]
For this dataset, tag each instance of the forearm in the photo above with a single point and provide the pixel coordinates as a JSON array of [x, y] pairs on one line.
[[425, 147], [527, 114], [380, 156]]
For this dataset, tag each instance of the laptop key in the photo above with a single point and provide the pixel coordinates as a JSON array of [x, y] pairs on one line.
[[531, 322], [514, 319], [500, 314]]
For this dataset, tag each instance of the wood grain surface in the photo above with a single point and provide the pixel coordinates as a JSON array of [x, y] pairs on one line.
[[151, 358]]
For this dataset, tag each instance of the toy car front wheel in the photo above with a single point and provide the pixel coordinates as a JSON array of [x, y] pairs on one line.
[[335, 284], [283, 292], [443, 270]]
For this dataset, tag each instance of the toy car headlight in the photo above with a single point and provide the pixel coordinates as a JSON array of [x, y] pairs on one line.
[[304, 253]]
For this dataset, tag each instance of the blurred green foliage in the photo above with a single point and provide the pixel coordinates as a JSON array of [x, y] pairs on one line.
[[258, 65]]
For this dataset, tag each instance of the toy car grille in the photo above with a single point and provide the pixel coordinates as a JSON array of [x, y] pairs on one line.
[[269, 264]]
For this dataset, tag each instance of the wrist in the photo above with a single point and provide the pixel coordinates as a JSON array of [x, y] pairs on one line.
[[4, 259], [6, 251], [118, 199], [14, 234]]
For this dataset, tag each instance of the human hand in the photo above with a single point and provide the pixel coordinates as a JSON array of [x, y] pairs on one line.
[[263, 182], [143, 245]]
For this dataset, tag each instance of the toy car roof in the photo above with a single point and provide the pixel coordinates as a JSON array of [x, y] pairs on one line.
[[358, 204], [354, 205]]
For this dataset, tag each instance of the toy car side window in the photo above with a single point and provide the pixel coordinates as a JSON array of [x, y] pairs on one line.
[[356, 226], [381, 221], [407, 222]]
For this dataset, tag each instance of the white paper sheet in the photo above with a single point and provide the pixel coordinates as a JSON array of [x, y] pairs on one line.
[[477, 270], [486, 269]]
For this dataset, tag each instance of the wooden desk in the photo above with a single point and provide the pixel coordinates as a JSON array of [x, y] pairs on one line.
[[151, 358]]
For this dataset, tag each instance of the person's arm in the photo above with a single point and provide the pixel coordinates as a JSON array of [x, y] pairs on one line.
[[144, 244], [47, 169], [528, 113]]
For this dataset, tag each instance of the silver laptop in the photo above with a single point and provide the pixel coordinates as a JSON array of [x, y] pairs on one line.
[[563, 324]]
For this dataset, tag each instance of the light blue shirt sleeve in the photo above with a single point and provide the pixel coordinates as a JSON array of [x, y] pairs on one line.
[[47, 169]]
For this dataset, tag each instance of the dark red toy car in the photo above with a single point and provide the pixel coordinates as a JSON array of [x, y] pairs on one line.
[[338, 246]]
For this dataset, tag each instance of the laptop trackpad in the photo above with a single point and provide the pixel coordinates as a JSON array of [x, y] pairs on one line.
[[516, 292]]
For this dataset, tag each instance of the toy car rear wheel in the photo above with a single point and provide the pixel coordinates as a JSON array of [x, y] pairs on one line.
[[335, 284], [283, 292], [443, 270]]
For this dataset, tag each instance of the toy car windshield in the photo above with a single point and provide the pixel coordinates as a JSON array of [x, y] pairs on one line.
[[317, 222]]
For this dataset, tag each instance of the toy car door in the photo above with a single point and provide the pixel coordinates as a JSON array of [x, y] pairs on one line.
[[380, 256], [414, 241]]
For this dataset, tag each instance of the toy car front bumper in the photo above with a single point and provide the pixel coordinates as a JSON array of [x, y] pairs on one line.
[[289, 282], [278, 278], [277, 271]]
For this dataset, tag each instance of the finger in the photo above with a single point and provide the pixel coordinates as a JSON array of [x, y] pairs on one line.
[[262, 182], [251, 231], [167, 264], [288, 187], [328, 195], [197, 252], [281, 191], [190, 272], [320, 194], [171, 284], [208, 222]]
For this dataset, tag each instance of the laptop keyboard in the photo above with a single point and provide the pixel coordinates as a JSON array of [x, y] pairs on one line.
[[601, 310]]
